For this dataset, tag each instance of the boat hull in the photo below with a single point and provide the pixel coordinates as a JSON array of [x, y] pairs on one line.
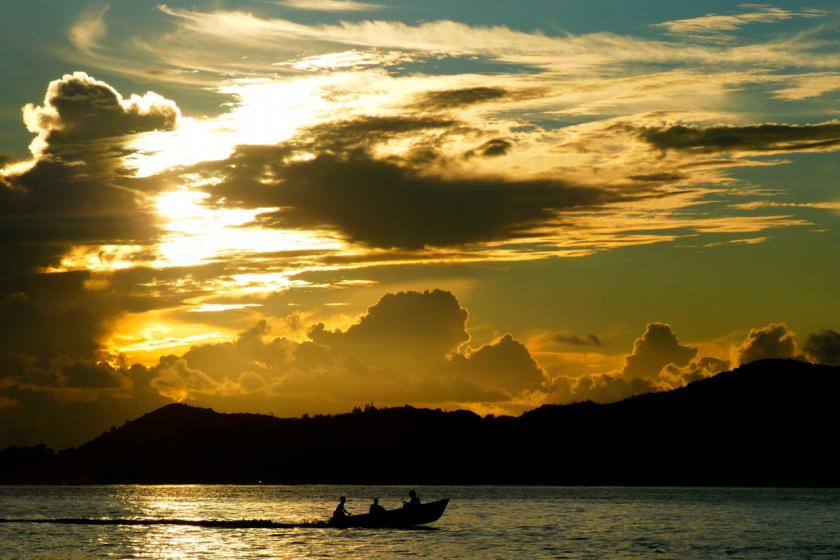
[[396, 518]]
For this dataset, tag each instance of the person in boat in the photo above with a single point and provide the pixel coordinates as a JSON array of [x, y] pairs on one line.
[[413, 501], [340, 511], [375, 508]]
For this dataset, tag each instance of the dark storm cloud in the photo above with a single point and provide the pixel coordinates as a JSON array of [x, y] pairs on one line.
[[62, 416], [441, 100], [388, 203], [61, 373], [454, 98], [658, 177], [578, 339], [824, 347], [385, 205], [55, 202], [27, 329], [753, 138], [365, 132], [78, 190], [93, 375], [491, 148]]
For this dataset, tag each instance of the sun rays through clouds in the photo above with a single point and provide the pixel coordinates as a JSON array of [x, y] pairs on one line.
[[299, 205]]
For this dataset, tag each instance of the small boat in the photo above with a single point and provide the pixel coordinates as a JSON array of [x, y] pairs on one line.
[[395, 518]]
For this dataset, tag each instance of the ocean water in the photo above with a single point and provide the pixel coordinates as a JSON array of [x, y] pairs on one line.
[[480, 522]]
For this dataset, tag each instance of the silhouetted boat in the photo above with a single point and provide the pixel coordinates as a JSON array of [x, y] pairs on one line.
[[395, 518]]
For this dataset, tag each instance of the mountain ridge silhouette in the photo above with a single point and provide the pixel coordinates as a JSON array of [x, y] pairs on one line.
[[767, 423]]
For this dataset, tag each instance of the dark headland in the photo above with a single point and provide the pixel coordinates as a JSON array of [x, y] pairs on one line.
[[769, 423]]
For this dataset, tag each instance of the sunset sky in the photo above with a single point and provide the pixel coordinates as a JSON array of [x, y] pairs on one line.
[[302, 206]]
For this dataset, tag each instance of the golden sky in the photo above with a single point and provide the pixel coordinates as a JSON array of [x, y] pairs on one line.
[[306, 205]]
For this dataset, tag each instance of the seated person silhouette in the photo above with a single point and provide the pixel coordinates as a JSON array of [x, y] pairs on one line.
[[413, 502], [340, 511], [375, 508]]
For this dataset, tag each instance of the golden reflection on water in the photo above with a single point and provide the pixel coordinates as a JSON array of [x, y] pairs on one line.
[[480, 522]]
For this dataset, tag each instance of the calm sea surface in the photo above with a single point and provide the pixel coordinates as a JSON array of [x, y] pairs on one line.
[[481, 522]]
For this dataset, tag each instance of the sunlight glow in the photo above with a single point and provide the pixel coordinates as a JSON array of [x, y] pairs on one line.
[[257, 283], [263, 112], [197, 234], [100, 258], [145, 337], [167, 342], [219, 307]]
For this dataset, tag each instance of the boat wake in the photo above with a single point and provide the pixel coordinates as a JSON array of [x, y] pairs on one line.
[[213, 523]]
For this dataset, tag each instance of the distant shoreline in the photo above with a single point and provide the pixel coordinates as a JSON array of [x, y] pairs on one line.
[[769, 424]]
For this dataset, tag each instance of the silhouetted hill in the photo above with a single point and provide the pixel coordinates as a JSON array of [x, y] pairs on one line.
[[772, 422]]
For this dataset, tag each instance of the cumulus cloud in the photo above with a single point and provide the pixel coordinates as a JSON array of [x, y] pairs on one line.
[[78, 108], [250, 352], [824, 347], [674, 376], [658, 362], [405, 329], [608, 387], [408, 347], [504, 364], [655, 349], [175, 379], [80, 136], [76, 189], [775, 340]]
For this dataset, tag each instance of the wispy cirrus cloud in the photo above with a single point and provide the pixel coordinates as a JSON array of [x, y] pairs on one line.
[[756, 204], [750, 139], [807, 86], [567, 53], [330, 5], [270, 47], [712, 24], [90, 28]]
